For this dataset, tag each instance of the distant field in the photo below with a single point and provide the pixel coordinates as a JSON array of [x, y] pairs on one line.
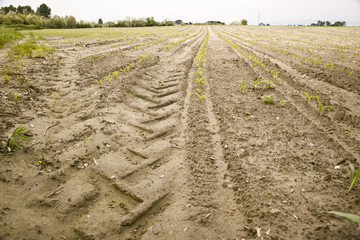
[[187, 132]]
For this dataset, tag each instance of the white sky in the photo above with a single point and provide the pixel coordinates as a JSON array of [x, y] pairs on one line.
[[275, 12]]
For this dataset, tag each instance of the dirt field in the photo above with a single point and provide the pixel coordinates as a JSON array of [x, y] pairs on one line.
[[137, 156]]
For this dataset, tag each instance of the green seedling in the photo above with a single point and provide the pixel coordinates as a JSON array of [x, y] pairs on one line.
[[351, 217], [15, 96], [6, 77], [98, 81], [353, 174], [320, 107], [200, 81], [351, 73], [242, 87], [109, 77], [255, 82], [115, 74], [269, 99], [282, 102], [14, 137], [54, 96], [307, 97], [200, 96], [275, 75]]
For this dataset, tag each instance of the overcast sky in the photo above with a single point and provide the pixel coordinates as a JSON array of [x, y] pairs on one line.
[[275, 12]]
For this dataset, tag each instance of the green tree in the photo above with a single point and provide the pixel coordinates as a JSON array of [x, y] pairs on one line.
[[57, 22], [244, 22], [24, 10], [5, 10], [70, 22], [43, 10], [100, 21], [178, 22], [150, 21]]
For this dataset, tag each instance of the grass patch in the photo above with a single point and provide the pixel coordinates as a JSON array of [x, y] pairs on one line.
[[30, 48], [8, 34]]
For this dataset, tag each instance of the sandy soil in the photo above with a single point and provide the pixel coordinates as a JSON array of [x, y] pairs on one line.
[[139, 157]]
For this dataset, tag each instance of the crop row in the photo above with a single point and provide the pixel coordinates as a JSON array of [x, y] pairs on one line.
[[200, 77]]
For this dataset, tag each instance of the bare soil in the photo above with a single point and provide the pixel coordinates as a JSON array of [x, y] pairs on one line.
[[139, 157]]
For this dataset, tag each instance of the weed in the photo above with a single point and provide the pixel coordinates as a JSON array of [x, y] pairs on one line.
[[353, 175], [29, 47], [242, 87], [320, 107], [269, 99], [109, 77], [14, 137], [8, 35]]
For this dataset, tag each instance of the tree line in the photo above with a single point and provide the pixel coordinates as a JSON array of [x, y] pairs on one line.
[[328, 24], [26, 17]]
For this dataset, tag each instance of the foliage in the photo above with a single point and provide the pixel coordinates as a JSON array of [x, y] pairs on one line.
[[327, 23], [242, 86], [307, 97], [8, 35], [100, 21], [200, 78], [43, 10], [15, 96], [320, 107], [269, 99], [353, 174], [14, 137], [351, 217], [29, 47]]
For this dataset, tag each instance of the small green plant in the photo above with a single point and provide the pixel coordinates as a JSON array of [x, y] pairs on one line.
[[269, 99], [199, 94], [268, 84], [99, 81], [255, 82], [320, 107], [242, 86], [15, 96], [14, 137], [307, 97], [54, 96], [353, 175], [6, 77], [282, 102], [115, 74], [351, 217], [109, 77]]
